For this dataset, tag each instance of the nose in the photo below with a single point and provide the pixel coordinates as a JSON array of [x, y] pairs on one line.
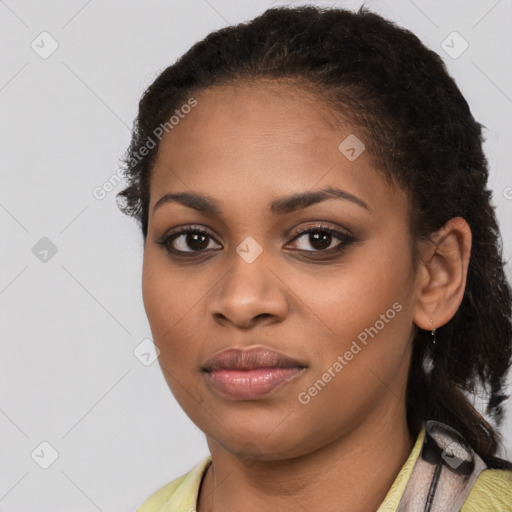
[[250, 294]]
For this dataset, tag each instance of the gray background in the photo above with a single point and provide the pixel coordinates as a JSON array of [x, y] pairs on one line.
[[70, 324]]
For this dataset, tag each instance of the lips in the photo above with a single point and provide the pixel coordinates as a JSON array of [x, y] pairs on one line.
[[249, 374], [250, 359]]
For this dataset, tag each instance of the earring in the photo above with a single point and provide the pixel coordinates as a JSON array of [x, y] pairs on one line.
[[433, 332]]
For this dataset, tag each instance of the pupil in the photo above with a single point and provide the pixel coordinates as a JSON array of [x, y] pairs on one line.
[[195, 237], [316, 238]]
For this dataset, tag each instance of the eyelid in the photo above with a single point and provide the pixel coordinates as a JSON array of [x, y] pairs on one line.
[[344, 240], [321, 225], [165, 239]]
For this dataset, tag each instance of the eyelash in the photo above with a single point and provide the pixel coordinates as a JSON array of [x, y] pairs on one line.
[[344, 239]]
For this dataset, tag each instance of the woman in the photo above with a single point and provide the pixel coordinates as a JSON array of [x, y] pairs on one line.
[[322, 270]]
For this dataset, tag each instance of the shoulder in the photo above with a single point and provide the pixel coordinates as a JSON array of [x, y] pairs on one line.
[[157, 500], [181, 491], [491, 492]]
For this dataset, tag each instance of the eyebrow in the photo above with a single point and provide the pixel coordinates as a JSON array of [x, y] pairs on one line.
[[281, 206]]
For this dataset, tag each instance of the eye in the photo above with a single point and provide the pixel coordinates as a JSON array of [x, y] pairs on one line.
[[323, 239], [187, 240]]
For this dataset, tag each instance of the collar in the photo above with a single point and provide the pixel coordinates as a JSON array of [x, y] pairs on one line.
[[186, 493]]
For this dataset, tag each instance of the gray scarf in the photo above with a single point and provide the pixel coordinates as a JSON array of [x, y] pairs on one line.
[[444, 473]]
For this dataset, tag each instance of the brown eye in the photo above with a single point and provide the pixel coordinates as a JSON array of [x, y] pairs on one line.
[[322, 239], [187, 240]]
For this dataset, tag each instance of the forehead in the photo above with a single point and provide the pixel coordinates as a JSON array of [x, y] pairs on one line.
[[281, 99], [248, 115], [260, 137]]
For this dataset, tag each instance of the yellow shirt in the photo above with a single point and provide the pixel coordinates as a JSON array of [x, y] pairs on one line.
[[492, 491]]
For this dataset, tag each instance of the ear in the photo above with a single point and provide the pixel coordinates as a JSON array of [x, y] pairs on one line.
[[441, 274]]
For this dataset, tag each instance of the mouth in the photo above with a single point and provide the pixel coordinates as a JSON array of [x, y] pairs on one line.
[[249, 374]]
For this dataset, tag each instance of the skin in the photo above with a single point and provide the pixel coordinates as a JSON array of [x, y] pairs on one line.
[[245, 146]]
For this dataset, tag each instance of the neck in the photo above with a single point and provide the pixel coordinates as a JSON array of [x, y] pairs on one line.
[[351, 474]]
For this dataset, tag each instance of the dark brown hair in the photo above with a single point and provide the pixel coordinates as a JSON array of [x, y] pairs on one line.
[[419, 132]]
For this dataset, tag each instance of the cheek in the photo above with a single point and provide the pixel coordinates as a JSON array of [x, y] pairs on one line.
[[365, 313], [170, 305], [167, 292], [172, 308], [353, 295], [362, 360]]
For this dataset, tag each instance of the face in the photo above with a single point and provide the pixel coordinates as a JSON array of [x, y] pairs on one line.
[[328, 282]]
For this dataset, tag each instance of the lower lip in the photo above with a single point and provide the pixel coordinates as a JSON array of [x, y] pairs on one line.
[[249, 384]]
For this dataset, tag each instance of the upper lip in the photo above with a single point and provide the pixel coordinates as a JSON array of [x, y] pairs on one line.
[[249, 359]]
